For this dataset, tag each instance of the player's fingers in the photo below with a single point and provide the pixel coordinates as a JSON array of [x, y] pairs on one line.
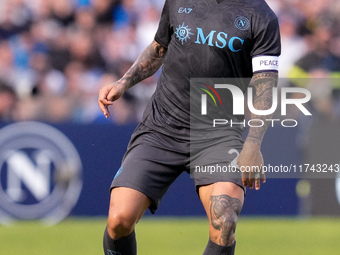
[[103, 104], [245, 176], [251, 180], [257, 181], [113, 95], [263, 177], [103, 101]]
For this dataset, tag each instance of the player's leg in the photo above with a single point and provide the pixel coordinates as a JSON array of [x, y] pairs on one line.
[[222, 202], [127, 206], [152, 162]]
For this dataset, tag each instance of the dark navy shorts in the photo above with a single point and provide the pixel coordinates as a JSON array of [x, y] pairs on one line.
[[154, 160]]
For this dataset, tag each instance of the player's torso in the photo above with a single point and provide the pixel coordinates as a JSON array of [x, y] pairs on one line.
[[210, 39]]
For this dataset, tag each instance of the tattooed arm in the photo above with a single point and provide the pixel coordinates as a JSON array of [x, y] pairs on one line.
[[263, 84], [250, 155], [146, 65]]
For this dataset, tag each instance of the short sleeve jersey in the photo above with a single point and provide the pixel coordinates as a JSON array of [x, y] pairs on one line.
[[208, 39]]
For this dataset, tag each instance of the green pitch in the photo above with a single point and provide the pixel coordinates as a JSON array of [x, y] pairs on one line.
[[183, 236]]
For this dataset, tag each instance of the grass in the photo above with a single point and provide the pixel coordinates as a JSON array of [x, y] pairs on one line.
[[167, 236]]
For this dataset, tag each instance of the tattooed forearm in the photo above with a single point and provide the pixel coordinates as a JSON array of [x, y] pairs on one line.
[[224, 211], [146, 65], [263, 84]]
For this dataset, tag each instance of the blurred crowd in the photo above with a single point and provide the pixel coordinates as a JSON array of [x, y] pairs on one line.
[[310, 58], [56, 54]]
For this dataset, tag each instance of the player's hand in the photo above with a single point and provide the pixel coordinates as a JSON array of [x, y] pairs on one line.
[[250, 162], [108, 94]]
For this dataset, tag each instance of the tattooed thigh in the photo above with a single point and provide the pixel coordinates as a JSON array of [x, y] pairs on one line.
[[224, 211]]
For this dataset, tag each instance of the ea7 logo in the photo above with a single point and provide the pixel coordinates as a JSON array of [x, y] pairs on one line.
[[184, 10], [238, 100]]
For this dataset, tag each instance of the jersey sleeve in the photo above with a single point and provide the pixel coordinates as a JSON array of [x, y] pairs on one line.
[[163, 34], [267, 48]]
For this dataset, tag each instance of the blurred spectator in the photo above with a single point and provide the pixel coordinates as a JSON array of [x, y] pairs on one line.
[[15, 17], [63, 12], [321, 62], [104, 11], [293, 46], [320, 55], [57, 54], [8, 101]]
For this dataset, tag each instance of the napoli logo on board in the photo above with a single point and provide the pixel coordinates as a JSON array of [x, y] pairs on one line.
[[40, 173]]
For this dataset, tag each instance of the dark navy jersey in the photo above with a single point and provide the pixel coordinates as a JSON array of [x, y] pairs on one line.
[[208, 39]]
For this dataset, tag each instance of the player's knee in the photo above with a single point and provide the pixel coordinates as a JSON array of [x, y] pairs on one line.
[[120, 224], [224, 216], [230, 227], [226, 231]]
